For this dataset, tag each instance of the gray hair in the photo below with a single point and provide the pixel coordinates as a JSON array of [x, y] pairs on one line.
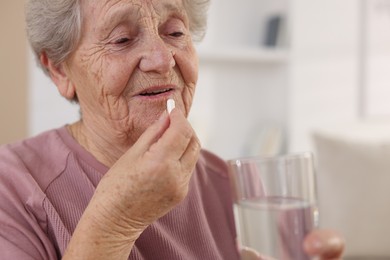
[[54, 26]]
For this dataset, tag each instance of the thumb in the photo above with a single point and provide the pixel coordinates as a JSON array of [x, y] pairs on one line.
[[152, 134], [327, 244]]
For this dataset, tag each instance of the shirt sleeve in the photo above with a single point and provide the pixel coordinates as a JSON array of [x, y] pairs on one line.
[[15, 244], [23, 232]]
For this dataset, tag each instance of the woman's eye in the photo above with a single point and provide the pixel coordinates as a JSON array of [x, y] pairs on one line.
[[122, 40], [176, 34]]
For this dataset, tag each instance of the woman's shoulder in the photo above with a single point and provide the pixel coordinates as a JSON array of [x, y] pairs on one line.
[[33, 160], [22, 196]]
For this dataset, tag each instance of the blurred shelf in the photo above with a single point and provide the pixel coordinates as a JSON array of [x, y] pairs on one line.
[[250, 55]]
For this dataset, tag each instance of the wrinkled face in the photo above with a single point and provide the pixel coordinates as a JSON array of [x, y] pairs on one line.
[[133, 56]]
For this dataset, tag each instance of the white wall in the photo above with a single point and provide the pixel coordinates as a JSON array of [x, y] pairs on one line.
[[377, 59], [239, 97], [324, 86]]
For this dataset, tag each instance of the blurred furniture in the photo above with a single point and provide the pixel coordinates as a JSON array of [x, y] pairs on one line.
[[354, 186]]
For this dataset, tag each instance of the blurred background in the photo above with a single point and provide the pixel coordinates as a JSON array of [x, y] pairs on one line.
[[276, 76]]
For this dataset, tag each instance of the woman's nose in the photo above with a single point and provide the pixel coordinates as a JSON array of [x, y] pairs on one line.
[[156, 57]]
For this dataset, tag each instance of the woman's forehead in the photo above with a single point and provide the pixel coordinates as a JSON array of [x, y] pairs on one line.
[[144, 5], [108, 11], [102, 16]]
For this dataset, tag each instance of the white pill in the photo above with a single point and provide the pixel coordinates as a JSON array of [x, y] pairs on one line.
[[170, 105]]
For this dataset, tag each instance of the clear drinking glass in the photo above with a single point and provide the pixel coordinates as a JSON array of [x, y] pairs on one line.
[[275, 203]]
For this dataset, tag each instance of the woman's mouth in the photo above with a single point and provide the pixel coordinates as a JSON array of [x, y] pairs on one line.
[[149, 93]]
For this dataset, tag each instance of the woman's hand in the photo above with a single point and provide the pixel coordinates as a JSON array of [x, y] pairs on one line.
[[320, 243], [149, 180], [152, 177], [325, 244]]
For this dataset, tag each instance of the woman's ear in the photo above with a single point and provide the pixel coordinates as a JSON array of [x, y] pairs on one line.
[[59, 76]]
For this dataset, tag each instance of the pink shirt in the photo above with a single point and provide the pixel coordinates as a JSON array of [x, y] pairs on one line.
[[47, 181]]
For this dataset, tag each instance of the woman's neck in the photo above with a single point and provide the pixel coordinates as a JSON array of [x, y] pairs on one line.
[[104, 151]]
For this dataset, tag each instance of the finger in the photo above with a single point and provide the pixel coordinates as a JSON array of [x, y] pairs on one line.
[[152, 134], [327, 244], [177, 137], [247, 253], [191, 155]]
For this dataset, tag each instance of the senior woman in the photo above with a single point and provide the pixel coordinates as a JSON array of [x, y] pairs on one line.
[[128, 180]]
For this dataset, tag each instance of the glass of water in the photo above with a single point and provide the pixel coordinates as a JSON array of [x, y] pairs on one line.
[[275, 204]]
